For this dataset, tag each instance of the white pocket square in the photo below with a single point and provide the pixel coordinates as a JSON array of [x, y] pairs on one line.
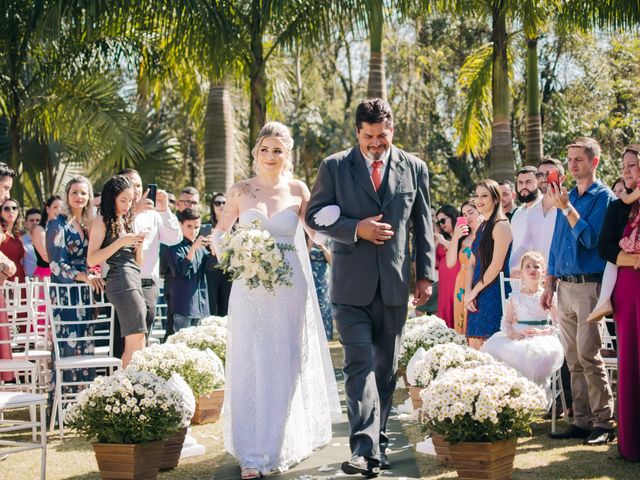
[[327, 215]]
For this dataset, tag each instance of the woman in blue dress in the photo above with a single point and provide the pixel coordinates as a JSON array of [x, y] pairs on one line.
[[320, 258], [490, 256], [67, 245]]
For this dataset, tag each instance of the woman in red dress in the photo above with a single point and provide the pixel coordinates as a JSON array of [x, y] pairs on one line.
[[446, 218], [10, 244]]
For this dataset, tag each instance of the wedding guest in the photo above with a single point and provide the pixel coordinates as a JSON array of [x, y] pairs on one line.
[[446, 218], [187, 262], [507, 198], [7, 269], [529, 196], [113, 241], [52, 208], [10, 244], [161, 228], [460, 252], [575, 273], [622, 222], [218, 282], [490, 256], [67, 244], [618, 187], [171, 198], [32, 220], [320, 258]]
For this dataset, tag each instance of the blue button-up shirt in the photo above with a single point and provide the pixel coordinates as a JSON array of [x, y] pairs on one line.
[[189, 295], [574, 251]]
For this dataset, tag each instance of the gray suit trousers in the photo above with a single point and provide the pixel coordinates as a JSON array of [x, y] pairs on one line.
[[370, 336]]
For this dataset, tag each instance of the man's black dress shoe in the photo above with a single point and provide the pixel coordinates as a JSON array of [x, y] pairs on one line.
[[384, 462], [600, 436], [572, 432], [361, 465]]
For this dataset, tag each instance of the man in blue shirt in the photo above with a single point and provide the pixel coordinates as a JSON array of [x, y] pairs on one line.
[[575, 272], [187, 264]]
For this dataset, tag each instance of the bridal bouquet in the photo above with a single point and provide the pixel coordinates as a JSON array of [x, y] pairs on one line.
[[482, 404], [128, 407], [252, 254]]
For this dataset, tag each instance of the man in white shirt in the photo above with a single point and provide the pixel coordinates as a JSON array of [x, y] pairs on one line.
[[161, 226], [529, 196], [507, 198]]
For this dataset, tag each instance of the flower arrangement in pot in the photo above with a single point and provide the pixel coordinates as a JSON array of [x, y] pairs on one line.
[[213, 337], [202, 370], [129, 414], [434, 332], [481, 411]]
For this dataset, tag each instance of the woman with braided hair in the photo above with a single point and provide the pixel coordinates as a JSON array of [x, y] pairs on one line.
[[113, 241]]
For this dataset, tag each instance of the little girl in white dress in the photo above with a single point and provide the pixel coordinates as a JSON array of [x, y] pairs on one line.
[[528, 341]]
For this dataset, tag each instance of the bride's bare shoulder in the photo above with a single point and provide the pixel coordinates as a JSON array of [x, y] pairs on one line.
[[298, 188]]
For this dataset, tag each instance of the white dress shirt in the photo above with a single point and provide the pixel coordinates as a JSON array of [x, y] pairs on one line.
[[537, 234], [163, 227]]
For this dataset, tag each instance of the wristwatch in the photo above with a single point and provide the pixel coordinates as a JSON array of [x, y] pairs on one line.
[[567, 211]]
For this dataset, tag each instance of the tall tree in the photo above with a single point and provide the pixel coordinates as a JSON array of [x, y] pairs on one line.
[[377, 86]]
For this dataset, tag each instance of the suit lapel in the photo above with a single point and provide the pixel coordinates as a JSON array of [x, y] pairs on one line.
[[396, 167], [361, 175]]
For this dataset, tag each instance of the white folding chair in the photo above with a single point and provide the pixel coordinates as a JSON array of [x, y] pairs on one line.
[[95, 313], [556, 379], [19, 400], [156, 332], [609, 346]]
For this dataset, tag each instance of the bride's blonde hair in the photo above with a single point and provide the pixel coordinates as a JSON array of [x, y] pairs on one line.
[[281, 132]]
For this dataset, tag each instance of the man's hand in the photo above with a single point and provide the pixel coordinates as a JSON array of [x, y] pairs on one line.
[[144, 203], [558, 195], [371, 229], [422, 292], [546, 300], [162, 201]]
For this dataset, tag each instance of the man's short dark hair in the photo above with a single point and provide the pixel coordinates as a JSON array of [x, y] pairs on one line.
[[187, 214], [32, 211], [129, 171], [527, 169], [189, 191], [374, 110], [6, 171], [548, 160], [508, 183], [590, 146]]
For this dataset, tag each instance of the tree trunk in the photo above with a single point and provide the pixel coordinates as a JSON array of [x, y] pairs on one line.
[[14, 159], [377, 86], [258, 87], [533, 147], [219, 140], [501, 164]]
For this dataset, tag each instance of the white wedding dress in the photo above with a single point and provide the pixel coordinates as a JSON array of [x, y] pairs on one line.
[[280, 393]]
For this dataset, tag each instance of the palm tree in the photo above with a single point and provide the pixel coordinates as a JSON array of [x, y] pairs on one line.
[[377, 86]]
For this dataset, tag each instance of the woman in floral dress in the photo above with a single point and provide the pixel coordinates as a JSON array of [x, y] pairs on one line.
[[320, 258], [67, 244]]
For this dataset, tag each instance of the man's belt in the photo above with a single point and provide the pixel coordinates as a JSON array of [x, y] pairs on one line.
[[582, 278], [148, 282]]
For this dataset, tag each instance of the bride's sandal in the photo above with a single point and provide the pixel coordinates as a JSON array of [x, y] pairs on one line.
[[605, 309], [249, 473]]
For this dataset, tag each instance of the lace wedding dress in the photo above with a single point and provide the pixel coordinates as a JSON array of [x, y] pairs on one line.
[[280, 392]]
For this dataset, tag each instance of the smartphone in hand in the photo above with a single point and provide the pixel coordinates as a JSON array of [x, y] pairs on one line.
[[552, 177], [205, 230], [153, 189], [462, 221]]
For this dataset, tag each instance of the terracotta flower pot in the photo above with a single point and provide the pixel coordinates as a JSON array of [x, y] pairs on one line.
[[443, 452], [128, 461], [172, 449], [208, 407], [415, 396], [484, 460]]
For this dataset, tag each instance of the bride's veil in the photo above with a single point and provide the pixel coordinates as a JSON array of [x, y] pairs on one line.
[[318, 327]]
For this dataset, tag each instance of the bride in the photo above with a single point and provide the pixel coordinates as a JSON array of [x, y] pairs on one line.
[[280, 391]]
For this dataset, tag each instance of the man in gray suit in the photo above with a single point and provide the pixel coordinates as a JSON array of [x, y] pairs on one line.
[[381, 192]]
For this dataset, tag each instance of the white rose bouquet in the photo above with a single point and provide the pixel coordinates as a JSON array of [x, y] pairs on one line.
[[202, 337], [435, 332], [441, 358], [128, 407], [252, 254], [483, 404], [202, 370], [213, 320]]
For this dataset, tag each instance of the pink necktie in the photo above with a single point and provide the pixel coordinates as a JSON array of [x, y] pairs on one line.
[[376, 174]]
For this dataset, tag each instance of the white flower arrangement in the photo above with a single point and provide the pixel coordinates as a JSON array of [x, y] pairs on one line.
[[426, 335], [252, 254], [212, 337], [423, 320], [213, 320], [482, 404], [201, 369], [441, 358], [128, 407]]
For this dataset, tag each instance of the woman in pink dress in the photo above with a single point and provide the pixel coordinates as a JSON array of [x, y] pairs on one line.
[[446, 218], [622, 222]]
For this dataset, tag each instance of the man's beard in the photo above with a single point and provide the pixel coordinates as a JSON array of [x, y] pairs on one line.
[[528, 198], [375, 155]]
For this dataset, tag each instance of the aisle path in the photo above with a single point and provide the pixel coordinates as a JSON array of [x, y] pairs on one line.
[[329, 458]]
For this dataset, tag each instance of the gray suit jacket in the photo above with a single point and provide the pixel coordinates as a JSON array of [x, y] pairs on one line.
[[358, 267]]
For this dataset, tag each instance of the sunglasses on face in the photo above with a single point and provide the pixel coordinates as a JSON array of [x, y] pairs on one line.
[[9, 208], [442, 221], [219, 203], [172, 202], [188, 202]]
